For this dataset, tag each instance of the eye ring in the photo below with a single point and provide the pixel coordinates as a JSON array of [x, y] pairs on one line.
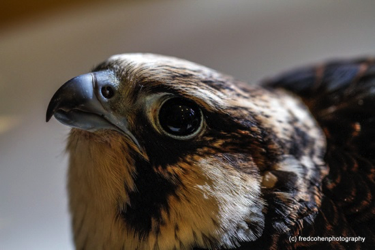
[[180, 118]]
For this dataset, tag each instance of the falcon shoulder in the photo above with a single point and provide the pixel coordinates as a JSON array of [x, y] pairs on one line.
[[341, 97]]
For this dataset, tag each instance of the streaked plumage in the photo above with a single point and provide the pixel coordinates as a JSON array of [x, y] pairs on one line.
[[168, 154]]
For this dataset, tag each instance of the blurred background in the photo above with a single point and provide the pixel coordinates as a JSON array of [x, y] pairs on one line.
[[45, 43]]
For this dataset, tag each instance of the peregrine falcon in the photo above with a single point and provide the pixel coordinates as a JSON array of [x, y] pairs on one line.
[[166, 154]]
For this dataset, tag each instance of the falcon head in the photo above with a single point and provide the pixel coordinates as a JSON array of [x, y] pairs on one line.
[[168, 154]]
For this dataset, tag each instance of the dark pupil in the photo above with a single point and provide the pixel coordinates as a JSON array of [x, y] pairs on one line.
[[179, 117]]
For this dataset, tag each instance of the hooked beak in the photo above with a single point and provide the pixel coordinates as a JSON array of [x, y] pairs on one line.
[[83, 102]]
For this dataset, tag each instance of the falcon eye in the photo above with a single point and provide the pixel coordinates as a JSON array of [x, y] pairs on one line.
[[180, 118]]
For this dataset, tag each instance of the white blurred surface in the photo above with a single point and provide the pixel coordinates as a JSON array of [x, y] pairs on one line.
[[247, 39]]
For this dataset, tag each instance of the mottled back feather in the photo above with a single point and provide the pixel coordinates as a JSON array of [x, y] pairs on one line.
[[341, 96]]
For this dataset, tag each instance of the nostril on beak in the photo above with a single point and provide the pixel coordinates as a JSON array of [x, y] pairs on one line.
[[107, 92]]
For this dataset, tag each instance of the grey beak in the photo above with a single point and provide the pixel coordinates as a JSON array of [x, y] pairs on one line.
[[76, 104], [83, 102]]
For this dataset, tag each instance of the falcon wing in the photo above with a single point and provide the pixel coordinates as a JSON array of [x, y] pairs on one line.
[[341, 97]]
